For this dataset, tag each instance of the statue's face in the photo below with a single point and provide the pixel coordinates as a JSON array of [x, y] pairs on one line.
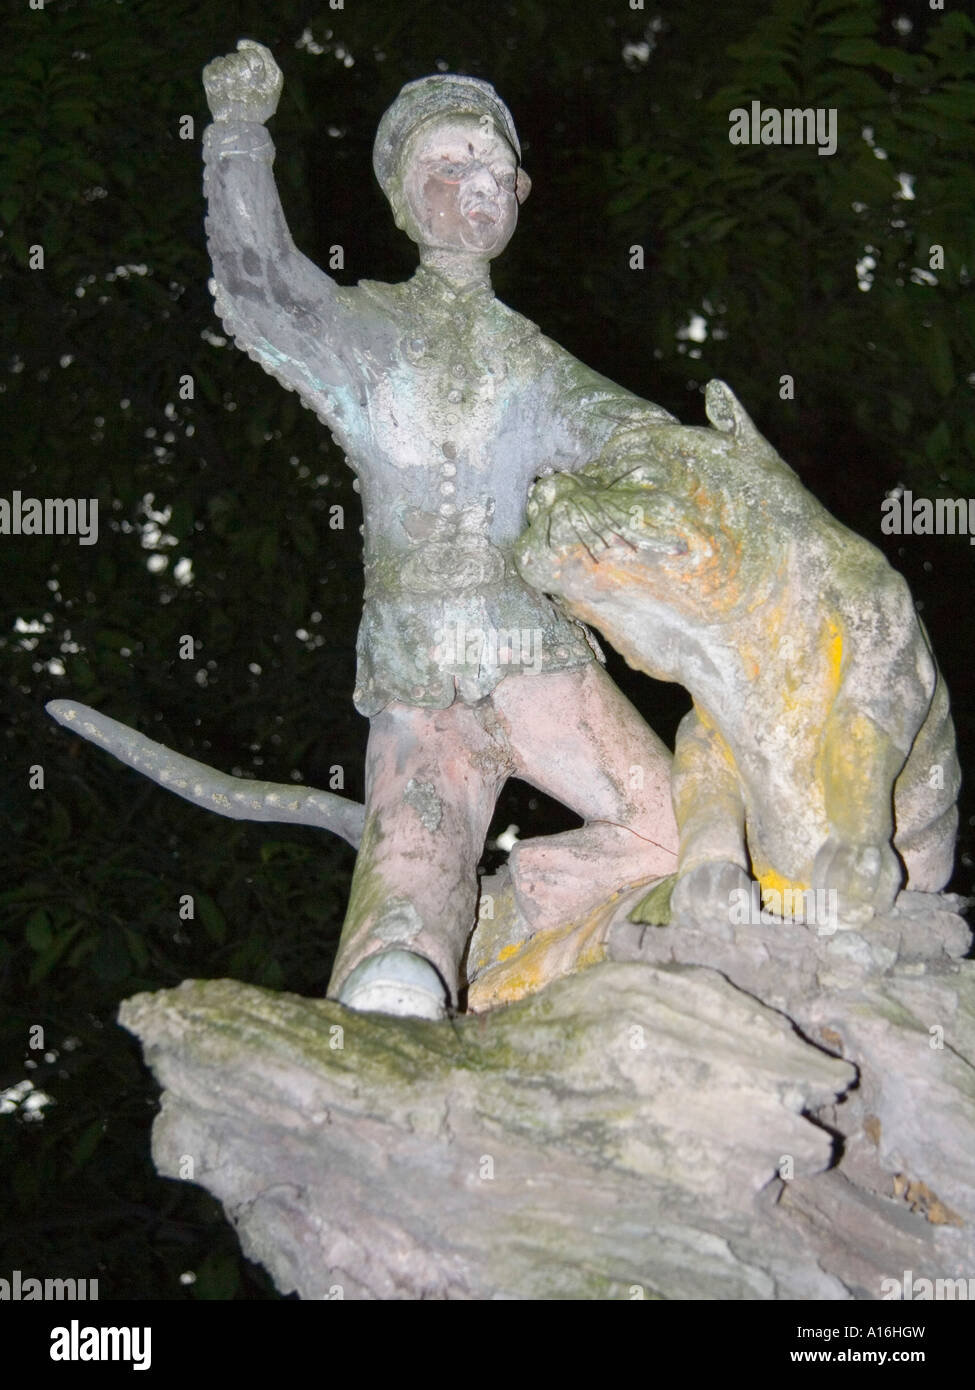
[[461, 187]]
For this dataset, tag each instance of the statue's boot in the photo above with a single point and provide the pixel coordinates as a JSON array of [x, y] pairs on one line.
[[396, 982], [432, 778]]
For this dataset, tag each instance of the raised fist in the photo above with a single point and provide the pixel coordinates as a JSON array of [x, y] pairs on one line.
[[243, 86]]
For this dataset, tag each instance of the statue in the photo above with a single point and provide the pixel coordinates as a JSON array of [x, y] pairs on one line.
[[820, 752], [447, 404], [694, 1112], [820, 746]]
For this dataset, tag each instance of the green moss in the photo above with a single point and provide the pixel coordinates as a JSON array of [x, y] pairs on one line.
[[654, 908]]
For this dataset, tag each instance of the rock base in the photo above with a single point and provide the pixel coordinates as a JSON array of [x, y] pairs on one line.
[[777, 1115]]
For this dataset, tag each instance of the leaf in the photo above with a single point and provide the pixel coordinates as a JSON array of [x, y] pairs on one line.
[[86, 1145], [938, 360], [274, 849], [85, 946], [81, 672], [60, 823], [951, 33], [901, 413], [267, 550], [137, 948], [654, 909], [38, 888], [214, 922], [181, 521], [304, 537], [271, 975], [38, 933], [957, 102], [922, 119], [217, 1278], [867, 53], [49, 958], [111, 960], [855, 22], [105, 571], [109, 637], [720, 228], [72, 114], [206, 383], [937, 446]]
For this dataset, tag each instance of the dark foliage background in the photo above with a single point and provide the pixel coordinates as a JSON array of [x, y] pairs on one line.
[[624, 118]]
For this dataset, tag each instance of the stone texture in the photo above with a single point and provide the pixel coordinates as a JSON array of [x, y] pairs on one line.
[[621, 1129]]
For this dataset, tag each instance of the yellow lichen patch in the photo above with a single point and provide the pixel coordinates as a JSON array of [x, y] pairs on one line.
[[771, 881], [498, 937], [526, 967], [920, 1198], [719, 745], [834, 655], [613, 576], [711, 569], [702, 499], [853, 743]]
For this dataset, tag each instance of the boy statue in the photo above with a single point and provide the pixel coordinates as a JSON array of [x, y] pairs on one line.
[[448, 405]]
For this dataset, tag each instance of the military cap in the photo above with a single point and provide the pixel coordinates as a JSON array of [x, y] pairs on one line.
[[444, 94]]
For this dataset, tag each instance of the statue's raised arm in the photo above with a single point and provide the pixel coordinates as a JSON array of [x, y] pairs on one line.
[[277, 305]]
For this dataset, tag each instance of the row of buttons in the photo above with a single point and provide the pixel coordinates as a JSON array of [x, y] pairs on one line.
[[448, 470]]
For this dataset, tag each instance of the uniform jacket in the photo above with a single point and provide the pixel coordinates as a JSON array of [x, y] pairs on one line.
[[447, 405]]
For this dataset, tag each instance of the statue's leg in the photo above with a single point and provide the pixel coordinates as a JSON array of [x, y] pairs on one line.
[[710, 809], [575, 736], [925, 797], [432, 779]]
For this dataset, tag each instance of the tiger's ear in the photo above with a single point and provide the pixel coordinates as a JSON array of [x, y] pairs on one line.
[[729, 416], [726, 412], [723, 407], [523, 185]]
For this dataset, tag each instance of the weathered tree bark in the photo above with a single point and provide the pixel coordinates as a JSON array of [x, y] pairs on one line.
[[763, 1113]]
